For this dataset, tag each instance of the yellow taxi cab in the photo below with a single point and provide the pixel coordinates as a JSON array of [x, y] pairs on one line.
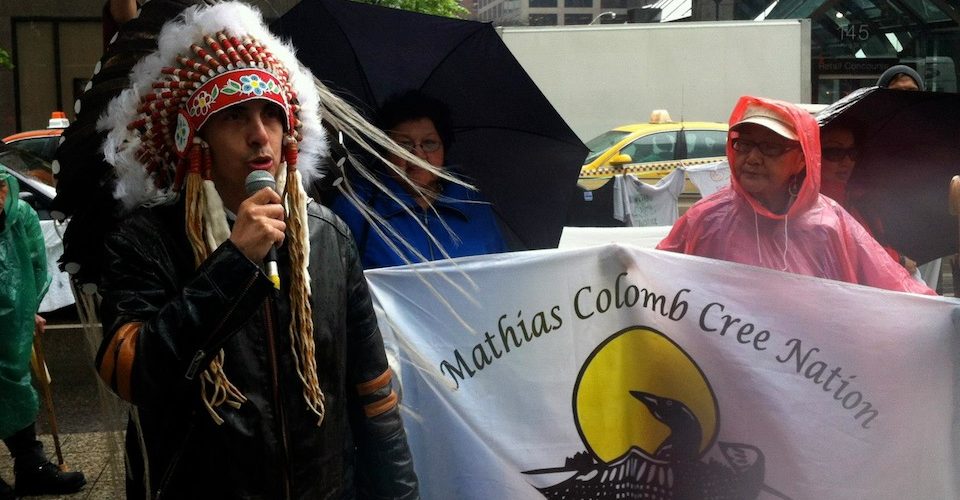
[[42, 143], [654, 149]]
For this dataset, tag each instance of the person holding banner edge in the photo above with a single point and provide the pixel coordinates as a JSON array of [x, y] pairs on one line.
[[240, 391], [773, 214]]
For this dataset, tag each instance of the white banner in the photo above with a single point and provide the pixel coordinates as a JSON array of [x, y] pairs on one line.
[[616, 372]]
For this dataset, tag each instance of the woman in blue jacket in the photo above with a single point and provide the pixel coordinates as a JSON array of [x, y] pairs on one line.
[[458, 221]]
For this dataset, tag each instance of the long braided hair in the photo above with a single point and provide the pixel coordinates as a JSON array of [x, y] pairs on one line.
[[209, 58], [174, 48]]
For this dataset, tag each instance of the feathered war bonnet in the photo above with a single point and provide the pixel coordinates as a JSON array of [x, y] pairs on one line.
[[209, 58]]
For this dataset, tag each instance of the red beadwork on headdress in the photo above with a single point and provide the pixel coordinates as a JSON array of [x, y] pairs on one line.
[[221, 71], [229, 88]]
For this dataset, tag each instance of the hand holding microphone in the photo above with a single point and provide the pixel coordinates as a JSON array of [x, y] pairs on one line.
[[260, 226]]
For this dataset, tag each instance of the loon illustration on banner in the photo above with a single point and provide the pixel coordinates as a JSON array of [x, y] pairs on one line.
[[649, 419]]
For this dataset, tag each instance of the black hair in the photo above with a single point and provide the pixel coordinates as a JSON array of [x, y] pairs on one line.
[[855, 127], [414, 105]]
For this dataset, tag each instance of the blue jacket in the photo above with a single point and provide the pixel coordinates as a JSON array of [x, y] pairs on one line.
[[470, 218]]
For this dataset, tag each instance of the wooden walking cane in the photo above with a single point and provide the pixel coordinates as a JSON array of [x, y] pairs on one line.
[[39, 364]]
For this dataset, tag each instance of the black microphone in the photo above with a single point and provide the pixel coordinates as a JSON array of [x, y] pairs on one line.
[[257, 180]]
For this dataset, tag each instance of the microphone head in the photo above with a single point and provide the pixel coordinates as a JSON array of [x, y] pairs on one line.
[[259, 179]]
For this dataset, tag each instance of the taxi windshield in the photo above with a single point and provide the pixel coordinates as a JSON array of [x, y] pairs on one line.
[[27, 164], [598, 145]]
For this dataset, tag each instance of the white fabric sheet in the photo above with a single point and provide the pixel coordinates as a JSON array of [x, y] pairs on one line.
[[59, 294]]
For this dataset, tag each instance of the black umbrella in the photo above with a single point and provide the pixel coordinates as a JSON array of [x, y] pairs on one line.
[[908, 145], [508, 138]]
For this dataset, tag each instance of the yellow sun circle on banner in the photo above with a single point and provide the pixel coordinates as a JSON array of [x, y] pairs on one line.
[[611, 420]]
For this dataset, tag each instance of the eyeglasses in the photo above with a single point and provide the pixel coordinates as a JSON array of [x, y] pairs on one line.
[[837, 154], [427, 146], [768, 149]]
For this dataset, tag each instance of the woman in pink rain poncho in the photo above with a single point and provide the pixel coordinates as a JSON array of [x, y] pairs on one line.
[[773, 215]]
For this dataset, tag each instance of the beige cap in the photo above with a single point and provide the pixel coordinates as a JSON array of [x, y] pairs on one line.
[[769, 118]]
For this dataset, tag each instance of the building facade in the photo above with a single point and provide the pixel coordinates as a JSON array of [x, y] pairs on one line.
[[579, 12], [56, 44], [854, 41]]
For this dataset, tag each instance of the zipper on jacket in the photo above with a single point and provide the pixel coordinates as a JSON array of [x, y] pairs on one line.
[[168, 474], [278, 402], [430, 243], [198, 358]]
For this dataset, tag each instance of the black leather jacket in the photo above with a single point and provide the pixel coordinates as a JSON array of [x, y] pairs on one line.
[[270, 447]]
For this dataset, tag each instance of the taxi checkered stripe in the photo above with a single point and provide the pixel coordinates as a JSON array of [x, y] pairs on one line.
[[662, 168]]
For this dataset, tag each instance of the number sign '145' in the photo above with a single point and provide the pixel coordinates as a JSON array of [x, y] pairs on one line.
[[855, 32]]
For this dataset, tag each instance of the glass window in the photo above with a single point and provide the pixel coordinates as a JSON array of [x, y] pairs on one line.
[[543, 3], [578, 3], [572, 19], [623, 4], [36, 145], [27, 164], [653, 147], [542, 19], [706, 143], [929, 12], [598, 145]]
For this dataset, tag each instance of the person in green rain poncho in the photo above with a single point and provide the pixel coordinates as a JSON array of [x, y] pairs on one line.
[[23, 282]]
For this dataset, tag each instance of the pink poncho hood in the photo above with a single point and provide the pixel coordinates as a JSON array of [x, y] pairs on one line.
[[808, 133]]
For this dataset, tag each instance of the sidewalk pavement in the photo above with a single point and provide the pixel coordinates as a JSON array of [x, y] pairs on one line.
[[90, 420], [95, 453]]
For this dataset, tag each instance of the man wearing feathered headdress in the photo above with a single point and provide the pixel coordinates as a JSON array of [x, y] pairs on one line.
[[245, 386]]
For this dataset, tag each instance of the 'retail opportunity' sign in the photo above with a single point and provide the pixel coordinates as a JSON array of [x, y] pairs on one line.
[[616, 372]]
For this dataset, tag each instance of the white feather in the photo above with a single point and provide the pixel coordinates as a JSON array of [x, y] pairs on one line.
[[176, 37]]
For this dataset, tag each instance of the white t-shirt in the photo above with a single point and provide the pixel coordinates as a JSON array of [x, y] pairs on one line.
[[59, 294], [709, 178], [638, 204]]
